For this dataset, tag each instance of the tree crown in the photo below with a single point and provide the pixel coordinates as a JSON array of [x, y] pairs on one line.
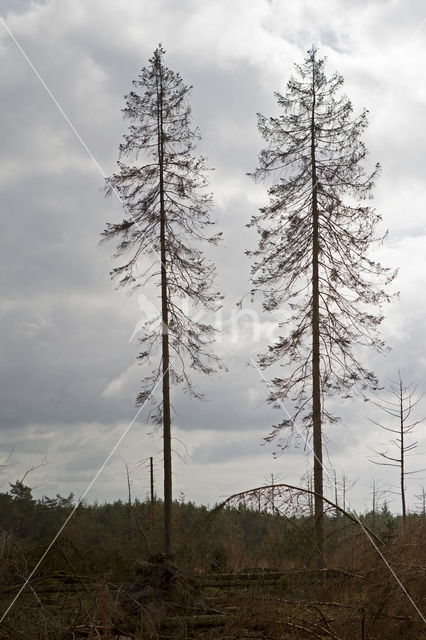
[[315, 152], [160, 181]]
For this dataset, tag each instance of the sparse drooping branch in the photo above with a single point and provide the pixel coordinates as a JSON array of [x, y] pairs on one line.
[[400, 407], [162, 186], [290, 501], [313, 258]]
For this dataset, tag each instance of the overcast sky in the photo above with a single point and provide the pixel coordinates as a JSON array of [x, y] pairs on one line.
[[69, 340]]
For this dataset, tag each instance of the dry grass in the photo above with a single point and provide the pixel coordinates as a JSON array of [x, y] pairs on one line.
[[357, 598]]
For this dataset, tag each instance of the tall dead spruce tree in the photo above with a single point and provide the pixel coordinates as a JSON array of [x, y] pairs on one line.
[[162, 188], [313, 253]]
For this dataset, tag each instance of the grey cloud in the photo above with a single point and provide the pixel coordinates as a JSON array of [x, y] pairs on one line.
[[222, 452], [58, 374], [15, 6], [34, 440], [84, 461]]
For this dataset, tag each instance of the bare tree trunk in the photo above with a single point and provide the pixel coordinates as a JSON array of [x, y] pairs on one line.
[[344, 479], [374, 506], [151, 482], [167, 452], [129, 501], [309, 486], [316, 373], [272, 494], [336, 493], [402, 468]]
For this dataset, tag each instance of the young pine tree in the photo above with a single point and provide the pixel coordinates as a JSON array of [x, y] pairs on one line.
[[313, 253], [162, 187]]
